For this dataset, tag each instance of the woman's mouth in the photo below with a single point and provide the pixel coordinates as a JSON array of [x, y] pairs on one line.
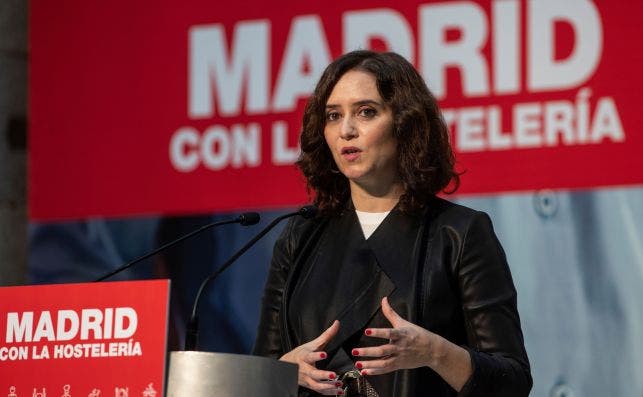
[[351, 153]]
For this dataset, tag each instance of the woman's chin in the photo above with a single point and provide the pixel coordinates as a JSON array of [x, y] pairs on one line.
[[354, 175]]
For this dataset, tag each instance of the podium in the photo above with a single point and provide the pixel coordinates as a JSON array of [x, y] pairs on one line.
[[110, 339], [86, 339], [197, 374]]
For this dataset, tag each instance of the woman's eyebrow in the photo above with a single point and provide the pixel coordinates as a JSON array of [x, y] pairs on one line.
[[357, 103]]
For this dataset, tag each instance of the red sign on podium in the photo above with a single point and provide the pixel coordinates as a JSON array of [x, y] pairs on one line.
[[91, 339]]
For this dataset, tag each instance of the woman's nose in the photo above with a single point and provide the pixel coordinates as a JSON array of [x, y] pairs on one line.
[[347, 128]]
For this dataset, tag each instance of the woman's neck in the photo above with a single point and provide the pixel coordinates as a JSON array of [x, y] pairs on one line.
[[380, 199]]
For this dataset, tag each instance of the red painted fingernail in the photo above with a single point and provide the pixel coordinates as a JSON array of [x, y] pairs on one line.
[[331, 376], [355, 352], [359, 365], [322, 355], [363, 372], [340, 392], [338, 384], [368, 332]]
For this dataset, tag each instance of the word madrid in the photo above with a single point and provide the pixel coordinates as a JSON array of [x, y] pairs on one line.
[[499, 51], [66, 325], [109, 323]]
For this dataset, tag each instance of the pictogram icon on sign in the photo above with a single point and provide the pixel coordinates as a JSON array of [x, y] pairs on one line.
[[42, 393], [149, 391], [121, 391]]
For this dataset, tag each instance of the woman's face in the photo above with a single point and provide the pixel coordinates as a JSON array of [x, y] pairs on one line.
[[359, 131]]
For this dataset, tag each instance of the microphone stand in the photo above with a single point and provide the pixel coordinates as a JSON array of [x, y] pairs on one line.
[[245, 219], [191, 337]]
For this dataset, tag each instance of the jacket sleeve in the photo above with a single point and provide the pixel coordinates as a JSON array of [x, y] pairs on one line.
[[498, 357], [269, 339]]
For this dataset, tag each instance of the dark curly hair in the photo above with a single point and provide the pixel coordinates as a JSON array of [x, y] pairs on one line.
[[425, 158]]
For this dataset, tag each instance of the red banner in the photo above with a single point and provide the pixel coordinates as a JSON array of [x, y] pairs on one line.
[[97, 340], [168, 107]]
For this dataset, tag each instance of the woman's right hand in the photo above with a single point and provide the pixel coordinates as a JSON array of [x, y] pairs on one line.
[[306, 355]]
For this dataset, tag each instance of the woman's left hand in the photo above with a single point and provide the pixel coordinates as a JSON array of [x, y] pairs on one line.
[[409, 346]]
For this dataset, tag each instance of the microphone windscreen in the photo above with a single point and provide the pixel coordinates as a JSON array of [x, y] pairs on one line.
[[249, 218], [308, 211]]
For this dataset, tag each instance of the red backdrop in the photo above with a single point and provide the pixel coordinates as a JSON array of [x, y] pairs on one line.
[[170, 107]]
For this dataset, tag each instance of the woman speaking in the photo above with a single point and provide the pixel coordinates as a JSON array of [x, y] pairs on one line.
[[390, 290]]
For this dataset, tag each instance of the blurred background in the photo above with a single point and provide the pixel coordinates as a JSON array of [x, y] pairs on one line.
[[125, 125]]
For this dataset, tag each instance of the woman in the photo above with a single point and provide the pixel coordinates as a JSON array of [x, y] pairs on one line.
[[391, 290]]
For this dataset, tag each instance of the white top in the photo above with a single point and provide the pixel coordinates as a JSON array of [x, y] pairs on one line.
[[370, 221]]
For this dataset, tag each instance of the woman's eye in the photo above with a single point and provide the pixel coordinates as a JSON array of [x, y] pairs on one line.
[[332, 116], [367, 113]]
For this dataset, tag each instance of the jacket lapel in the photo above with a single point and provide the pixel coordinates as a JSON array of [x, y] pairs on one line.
[[390, 255], [396, 244], [362, 304], [342, 280], [348, 277]]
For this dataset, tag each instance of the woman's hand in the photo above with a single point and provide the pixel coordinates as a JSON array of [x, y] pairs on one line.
[[306, 355], [410, 346]]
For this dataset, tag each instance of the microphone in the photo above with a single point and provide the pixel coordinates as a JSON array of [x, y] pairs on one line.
[[245, 219], [192, 333]]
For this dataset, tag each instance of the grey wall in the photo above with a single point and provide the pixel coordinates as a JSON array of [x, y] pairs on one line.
[[13, 156]]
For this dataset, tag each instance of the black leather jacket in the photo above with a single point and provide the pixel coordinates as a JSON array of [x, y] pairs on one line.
[[444, 271]]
